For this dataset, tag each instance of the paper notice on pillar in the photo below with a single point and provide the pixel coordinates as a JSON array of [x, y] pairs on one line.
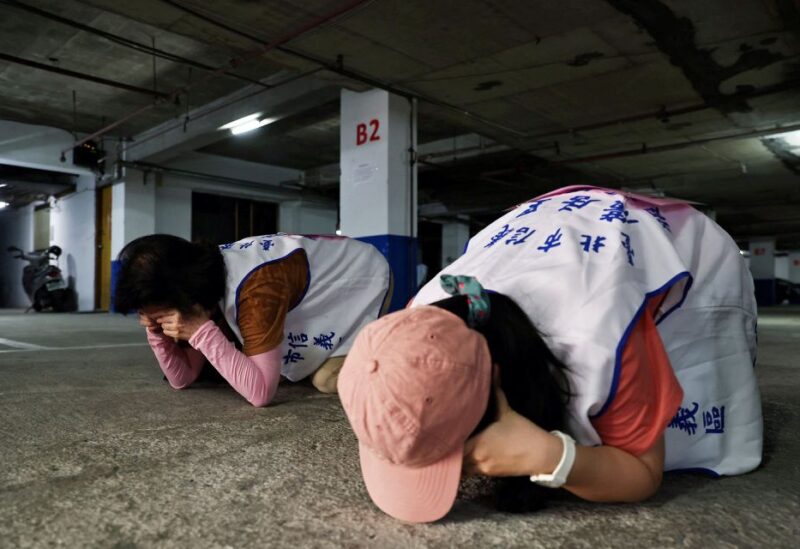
[[364, 174]]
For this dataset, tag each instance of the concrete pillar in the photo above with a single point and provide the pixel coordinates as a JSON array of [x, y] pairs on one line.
[[133, 214], [378, 188], [455, 236], [794, 267], [762, 267], [133, 209], [794, 276]]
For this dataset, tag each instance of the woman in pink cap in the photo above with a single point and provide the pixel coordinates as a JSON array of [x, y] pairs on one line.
[[644, 363]]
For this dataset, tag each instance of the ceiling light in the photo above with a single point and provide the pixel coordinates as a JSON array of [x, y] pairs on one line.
[[3, 204], [251, 125], [3, 185], [240, 121]]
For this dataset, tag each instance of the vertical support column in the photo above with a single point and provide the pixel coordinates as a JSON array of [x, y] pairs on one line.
[[133, 214], [762, 267], [794, 276], [378, 188], [455, 236]]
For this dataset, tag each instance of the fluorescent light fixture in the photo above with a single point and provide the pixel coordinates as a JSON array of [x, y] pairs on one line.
[[792, 139], [250, 126], [247, 124], [3, 204], [240, 121], [3, 185]]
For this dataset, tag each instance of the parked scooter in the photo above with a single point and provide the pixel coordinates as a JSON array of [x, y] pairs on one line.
[[43, 282]]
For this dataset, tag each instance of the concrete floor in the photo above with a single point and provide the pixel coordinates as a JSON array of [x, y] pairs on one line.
[[97, 451]]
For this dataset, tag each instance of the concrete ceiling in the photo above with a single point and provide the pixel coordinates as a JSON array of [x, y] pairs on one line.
[[666, 95], [19, 185]]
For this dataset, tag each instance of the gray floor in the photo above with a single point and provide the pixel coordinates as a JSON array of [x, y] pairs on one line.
[[96, 451]]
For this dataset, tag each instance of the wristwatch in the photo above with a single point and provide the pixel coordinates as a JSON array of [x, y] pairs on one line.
[[557, 478]]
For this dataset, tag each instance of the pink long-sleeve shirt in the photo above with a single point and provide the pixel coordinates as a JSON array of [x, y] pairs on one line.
[[254, 377]]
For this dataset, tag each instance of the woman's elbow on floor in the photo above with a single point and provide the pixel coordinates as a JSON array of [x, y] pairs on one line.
[[648, 488], [263, 399]]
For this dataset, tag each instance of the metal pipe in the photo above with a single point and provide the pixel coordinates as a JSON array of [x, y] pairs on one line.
[[338, 68], [126, 42], [487, 148], [235, 62], [270, 187], [79, 75], [198, 116], [410, 94], [664, 113], [674, 146]]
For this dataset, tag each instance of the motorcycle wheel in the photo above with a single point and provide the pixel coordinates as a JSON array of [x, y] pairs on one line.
[[70, 300], [38, 300], [63, 300], [57, 301]]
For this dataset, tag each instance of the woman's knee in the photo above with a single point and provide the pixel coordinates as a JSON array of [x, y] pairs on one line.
[[327, 376]]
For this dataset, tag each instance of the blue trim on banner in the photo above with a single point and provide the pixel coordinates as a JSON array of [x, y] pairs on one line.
[[401, 253], [695, 470], [624, 341]]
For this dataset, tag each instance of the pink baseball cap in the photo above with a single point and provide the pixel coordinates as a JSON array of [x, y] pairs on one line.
[[414, 386]]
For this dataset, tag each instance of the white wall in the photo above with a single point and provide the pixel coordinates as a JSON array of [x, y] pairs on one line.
[[117, 219], [174, 211], [762, 258], [133, 209], [72, 219], [173, 194], [455, 236], [794, 266], [16, 229], [782, 267], [298, 217]]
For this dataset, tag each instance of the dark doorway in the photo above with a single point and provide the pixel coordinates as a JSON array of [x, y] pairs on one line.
[[222, 219], [429, 236]]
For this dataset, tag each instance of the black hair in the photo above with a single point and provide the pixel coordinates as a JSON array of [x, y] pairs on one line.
[[533, 380], [166, 270]]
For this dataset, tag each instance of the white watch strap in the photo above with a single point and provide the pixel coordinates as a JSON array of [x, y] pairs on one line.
[[558, 477]]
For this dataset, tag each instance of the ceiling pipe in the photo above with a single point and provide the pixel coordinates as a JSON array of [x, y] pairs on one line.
[[644, 149], [289, 192], [233, 63], [198, 116], [339, 68], [81, 76], [126, 42], [664, 114]]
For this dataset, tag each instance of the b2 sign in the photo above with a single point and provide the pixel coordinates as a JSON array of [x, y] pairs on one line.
[[367, 132]]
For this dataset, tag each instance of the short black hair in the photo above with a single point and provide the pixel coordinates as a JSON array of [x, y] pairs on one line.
[[532, 378], [167, 270]]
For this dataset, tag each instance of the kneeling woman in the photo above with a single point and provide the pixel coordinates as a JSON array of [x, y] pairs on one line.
[[643, 351], [254, 309]]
